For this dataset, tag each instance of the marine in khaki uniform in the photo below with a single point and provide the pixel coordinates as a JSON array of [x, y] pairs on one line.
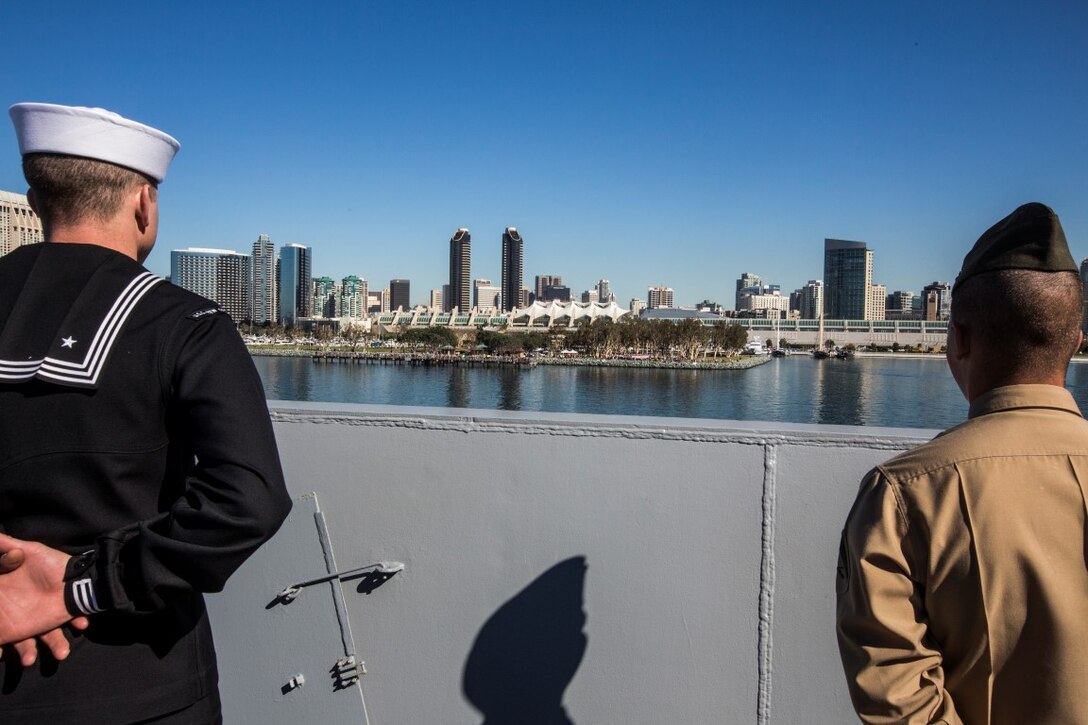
[[963, 580]]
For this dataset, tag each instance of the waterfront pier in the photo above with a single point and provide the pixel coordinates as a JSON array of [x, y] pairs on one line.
[[421, 359]]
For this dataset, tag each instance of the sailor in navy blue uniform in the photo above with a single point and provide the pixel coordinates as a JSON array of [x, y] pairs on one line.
[[138, 466]]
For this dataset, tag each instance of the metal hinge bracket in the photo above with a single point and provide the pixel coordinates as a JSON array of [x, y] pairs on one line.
[[347, 671]]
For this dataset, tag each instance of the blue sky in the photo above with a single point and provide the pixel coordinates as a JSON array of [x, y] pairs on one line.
[[676, 143]]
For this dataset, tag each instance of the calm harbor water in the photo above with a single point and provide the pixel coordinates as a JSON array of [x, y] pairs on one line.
[[897, 392]]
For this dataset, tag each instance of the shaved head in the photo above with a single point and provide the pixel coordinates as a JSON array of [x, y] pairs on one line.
[[1027, 322]]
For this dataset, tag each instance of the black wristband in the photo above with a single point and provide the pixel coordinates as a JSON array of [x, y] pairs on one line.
[[80, 592]]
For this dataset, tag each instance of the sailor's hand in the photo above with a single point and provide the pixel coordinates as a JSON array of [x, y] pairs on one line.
[[32, 599]]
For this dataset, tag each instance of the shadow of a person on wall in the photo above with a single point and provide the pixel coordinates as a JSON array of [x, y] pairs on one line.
[[527, 652]]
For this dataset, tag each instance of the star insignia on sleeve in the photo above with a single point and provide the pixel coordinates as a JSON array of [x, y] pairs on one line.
[[69, 342]]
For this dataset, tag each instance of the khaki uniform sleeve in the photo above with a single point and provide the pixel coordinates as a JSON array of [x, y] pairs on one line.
[[893, 668]]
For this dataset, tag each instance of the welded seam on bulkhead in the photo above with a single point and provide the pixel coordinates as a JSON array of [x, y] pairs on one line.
[[574, 430], [766, 588]]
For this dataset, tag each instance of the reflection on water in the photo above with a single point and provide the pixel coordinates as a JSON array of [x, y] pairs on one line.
[[897, 392], [458, 388], [510, 388], [1077, 382], [286, 381]]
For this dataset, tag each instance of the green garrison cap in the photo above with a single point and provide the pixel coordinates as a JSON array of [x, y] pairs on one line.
[[1029, 238]]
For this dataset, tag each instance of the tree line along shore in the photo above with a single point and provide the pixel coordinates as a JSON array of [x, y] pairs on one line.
[[688, 339], [635, 340]]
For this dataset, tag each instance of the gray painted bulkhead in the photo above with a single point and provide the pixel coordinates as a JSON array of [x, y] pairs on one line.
[[564, 568]]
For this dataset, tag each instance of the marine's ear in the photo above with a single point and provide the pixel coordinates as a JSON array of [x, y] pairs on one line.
[[961, 339]]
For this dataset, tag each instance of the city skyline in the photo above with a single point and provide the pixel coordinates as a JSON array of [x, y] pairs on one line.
[[677, 144], [244, 283], [746, 284], [229, 278]]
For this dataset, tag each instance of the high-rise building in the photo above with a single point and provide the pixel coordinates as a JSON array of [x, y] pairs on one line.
[[1084, 288], [460, 295], [848, 275], [765, 306], [636, 306], [326, 297], [295, 283], [526, 294], [938, 300], [748, 279], [707, 306], [218, 274], [485, 296], [900, 300], [557, 293], [658, 297], [796, 300], [604, 291], [812, 299], [436, 299], [878, 302], [546, 280], [263, 282], [399, 290], [590, 295], [931, 305], [354, 294], [747, 284], [899, 305], [19, 224], [513, 254]]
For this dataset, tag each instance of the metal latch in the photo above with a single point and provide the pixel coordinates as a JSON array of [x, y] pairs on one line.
[[347, 671], [384, 569]]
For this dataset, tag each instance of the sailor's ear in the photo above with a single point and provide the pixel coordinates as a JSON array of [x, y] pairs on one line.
[[144, 201], [32, 199]]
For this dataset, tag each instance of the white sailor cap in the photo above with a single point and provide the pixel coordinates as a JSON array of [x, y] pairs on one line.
[[93, 133]]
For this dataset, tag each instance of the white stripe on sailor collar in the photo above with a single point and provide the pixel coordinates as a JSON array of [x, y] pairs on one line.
[[87, 371]]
